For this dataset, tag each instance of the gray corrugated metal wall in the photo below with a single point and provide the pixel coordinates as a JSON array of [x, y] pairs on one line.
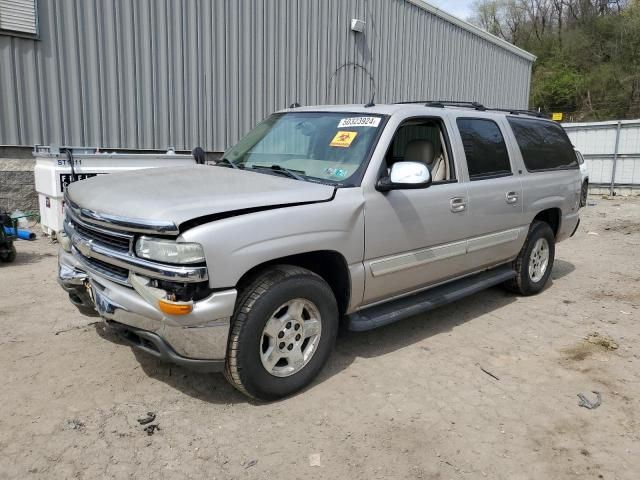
[[147, 74]]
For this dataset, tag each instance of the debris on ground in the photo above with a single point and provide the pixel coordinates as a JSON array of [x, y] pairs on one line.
[[151, 429], [251, 464], [602, 341], [73, 424], [148, 418], [77, 327], [593, 233], [487, 372], [314, 460], [586, 403]]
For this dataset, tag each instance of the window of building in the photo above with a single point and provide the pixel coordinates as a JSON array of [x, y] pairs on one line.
[[19, 17], [544, 145], [484, 148]]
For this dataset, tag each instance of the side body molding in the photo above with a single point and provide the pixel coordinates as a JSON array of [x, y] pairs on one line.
[[416, 258]]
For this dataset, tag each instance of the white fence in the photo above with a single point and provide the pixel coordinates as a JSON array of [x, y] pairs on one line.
[[611, 151]]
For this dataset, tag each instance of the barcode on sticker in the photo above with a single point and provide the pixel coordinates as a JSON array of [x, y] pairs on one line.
[[359, 122]]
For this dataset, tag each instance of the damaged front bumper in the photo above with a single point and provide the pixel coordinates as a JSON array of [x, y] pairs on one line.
[[197, 340]]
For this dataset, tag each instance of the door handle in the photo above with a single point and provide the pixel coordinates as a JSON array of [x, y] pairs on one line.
[[458, 204], [511, 197]]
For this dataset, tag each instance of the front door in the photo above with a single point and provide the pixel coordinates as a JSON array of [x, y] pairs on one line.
[[415, 238]]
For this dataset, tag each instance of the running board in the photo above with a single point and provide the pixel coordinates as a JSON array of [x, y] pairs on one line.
[[393, 311]]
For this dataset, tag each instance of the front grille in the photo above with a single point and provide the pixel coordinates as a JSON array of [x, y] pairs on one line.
[[121, 243], [118, 240], [108, 270]]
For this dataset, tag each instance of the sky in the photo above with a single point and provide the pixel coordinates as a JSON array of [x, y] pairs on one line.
[[459, 8]]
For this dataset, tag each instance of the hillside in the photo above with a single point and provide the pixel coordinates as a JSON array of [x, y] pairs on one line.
[[588, 51]]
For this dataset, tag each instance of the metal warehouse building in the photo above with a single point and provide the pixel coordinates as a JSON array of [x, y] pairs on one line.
[[149, 74]]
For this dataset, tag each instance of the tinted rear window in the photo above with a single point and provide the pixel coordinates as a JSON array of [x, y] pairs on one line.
[[484, 148], [544, 145]]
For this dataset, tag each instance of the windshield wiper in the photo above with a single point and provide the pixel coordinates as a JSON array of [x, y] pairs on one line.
[[279, 169], [226, 161]]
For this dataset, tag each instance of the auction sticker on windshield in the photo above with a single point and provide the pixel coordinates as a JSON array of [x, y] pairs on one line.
[[343, 139], [359, 122]]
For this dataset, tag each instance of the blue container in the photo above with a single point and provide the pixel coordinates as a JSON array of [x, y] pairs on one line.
[[23, 234]]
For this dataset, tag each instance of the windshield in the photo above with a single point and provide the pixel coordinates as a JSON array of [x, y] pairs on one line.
[[331, 147]]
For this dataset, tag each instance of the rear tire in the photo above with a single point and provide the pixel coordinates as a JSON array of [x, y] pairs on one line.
[[282, 333], [584, 192], [535, 261]]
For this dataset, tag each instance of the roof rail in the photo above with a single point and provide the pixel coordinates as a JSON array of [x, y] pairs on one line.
[[521, 112], [450, 103], [447, 103], [475, 105]]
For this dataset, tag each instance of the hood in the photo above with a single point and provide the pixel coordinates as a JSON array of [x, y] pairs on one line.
[[179, 194]]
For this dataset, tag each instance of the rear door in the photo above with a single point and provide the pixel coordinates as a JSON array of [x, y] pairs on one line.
[[495, 217]]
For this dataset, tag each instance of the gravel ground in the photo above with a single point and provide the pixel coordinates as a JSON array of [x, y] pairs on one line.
[[486, 387]]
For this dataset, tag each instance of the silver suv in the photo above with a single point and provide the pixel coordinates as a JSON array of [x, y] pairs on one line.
[[320, 216]]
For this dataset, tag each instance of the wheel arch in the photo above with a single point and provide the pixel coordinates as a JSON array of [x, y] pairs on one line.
[[551, 216], [328, 264]]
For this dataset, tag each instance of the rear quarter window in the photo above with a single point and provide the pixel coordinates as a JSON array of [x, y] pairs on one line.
[[543, 145]]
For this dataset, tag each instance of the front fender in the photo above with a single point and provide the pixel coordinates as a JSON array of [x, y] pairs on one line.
[[235, 245]]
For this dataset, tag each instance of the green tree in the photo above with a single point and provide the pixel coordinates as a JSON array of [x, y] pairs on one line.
[[588, 52]]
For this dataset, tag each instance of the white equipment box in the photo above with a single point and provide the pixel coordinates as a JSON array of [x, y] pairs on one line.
[[53, 173]]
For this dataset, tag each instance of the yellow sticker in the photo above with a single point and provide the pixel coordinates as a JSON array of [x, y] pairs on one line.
[[343, 139]]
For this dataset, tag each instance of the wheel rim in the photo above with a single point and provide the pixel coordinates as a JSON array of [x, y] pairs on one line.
[[539, 260], [290, 337]]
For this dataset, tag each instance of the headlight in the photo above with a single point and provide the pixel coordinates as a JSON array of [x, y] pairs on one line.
[[169, 251]]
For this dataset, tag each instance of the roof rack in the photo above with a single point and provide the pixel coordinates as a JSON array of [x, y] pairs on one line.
[[475, 105], [521, 112], [447, 103]]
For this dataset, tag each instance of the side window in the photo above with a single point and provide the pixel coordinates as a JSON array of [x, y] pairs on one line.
[[422, 140], [484, 148], [544, 145]]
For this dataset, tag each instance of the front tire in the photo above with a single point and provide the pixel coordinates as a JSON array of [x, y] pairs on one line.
[[535, 261], [283, 330]]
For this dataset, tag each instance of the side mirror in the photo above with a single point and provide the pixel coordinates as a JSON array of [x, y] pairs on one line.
[[405, 175]]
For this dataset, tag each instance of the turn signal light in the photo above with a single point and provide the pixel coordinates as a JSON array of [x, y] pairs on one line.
[[172, 308]]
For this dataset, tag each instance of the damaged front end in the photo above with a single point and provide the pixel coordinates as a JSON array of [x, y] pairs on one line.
[[168, 310]]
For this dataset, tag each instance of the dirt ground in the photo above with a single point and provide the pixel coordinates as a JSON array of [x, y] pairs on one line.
[[414, 400]]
